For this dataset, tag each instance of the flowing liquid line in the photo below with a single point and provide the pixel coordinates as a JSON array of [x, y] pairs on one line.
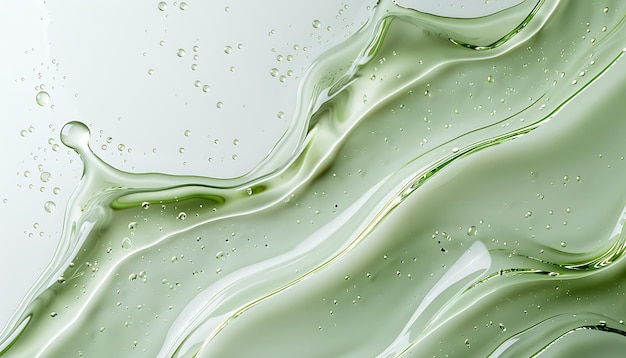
[[511, 34], [560, 321], [598, 327], [417, 180]]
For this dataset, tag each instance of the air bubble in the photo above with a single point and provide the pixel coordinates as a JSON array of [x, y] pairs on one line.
[[316, 24], [183, 5], [472, 231], [145, 205], [180, 52], [228, 50], [182, 216], [162, 6]]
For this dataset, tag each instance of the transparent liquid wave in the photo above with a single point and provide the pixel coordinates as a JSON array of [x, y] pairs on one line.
[[448, 187]]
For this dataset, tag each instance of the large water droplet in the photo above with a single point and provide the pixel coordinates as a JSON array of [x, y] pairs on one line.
[[75, 135], [42, 98], [49, 206]]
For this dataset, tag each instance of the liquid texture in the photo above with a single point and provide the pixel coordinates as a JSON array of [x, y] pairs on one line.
[[449, 187]]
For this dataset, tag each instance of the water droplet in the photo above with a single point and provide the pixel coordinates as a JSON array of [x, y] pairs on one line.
[[162, 6], [45, 177], [75, 135], [274, 72], [528, 214], [228, 50], [49, 206], [132, 225], [206, 88], [180, 52], [182, 216], [219, 104], [150, 72], [126, 243], [56, 190], [132, 277], [145, 205], [472, 231], [187, 133], [490, 79], [316, 24], [219, 255], [183, 5], [563, 244], [42, 98]]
